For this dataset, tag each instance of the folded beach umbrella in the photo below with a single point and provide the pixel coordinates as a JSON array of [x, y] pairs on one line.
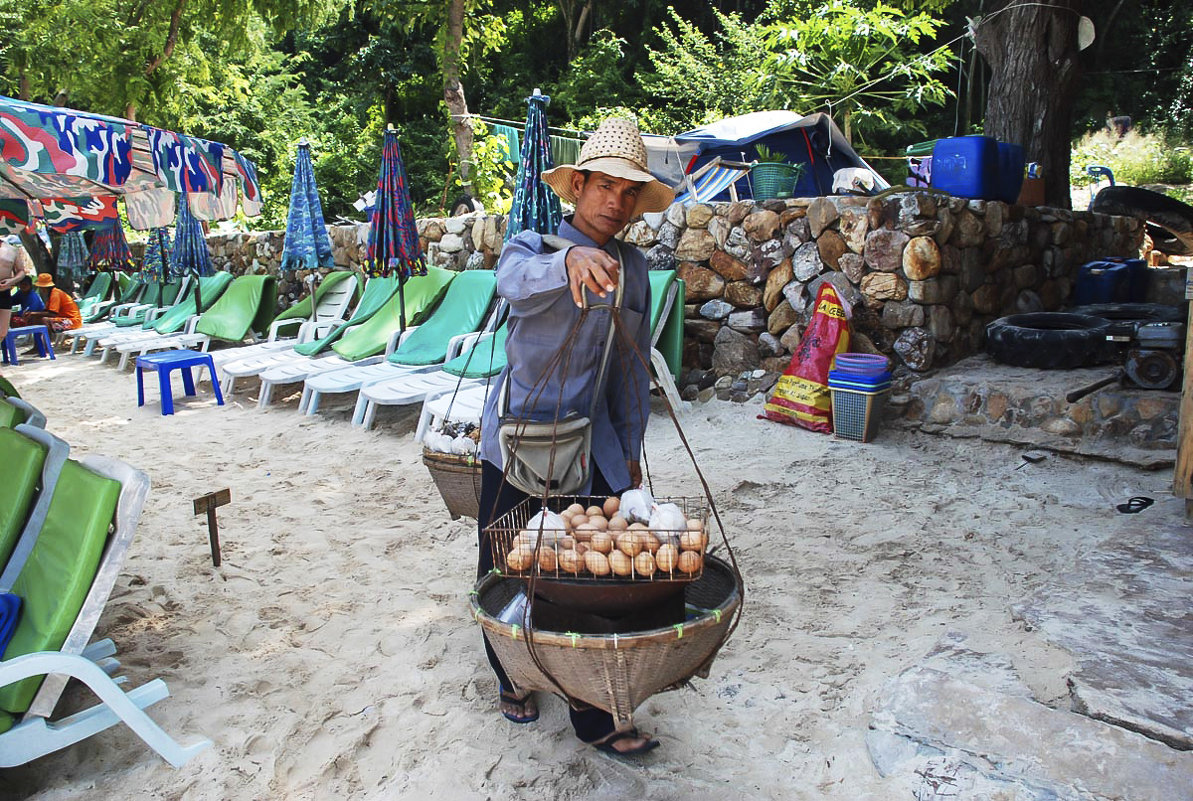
[[307, 244], [393, 239], [109, 249], [535, 206], [154, 266], [72, 254], [190, 253]]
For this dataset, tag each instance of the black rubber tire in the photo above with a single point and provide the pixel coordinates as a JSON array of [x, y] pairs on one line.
[[1049, 340], [465, 204], [1168, 213], [1136, 312]]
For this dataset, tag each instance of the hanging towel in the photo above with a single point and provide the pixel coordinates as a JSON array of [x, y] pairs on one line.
[[564, 150], [510, 133]]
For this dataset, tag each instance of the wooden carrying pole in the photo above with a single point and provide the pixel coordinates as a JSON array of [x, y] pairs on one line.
[[1182, 480]]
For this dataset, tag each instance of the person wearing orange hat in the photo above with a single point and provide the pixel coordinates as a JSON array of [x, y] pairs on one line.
[[61, 312]]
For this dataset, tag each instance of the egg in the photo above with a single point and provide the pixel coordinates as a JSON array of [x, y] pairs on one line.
[[582, 548], [600, 522], [691, 540], [596, 563], [649, 542], [567, 542], [547, 560], [644, 564], [611, 505], [695, 524], [570, 562], [520, 558], [595, 511], [602, 542], [585, 532], [575, 509], [667, 557], [578, 520], [621, 564], [631, 543], [618, 523], [690, 562]]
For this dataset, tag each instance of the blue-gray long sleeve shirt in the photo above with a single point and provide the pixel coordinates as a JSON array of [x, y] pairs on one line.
[[534, 281]]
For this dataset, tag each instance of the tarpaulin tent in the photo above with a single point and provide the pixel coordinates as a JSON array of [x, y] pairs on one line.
[[813, 140]]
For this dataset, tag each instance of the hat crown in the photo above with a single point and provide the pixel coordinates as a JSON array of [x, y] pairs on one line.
[[615, 138]]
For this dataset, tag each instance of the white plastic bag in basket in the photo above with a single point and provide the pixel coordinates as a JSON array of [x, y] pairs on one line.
[[636, 505], [668, 520], [549, 523]]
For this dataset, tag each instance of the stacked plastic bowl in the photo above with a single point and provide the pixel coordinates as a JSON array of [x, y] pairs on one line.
[[864, 372], [858, 384]]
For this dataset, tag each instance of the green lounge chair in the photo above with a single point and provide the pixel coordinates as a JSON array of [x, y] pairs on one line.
[[14, 412], [368, 339], [63, 568], [249, 305], [98, 324], [378, 292], [91, 304]]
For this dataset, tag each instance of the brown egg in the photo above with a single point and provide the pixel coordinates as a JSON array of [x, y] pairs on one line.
[[651, 542], [578, 520], [594, 511], [600, 522], [631, 543], [602, 542], [611, 505], [519, 559], [690, 562], [644, 564], [667, 557], [566, 517], [621, 564], [637, 527], [695, 524], [575, 509], [547, 560], [566, 542], [585, 532], [570, 561], [691, 540], [596, 563], [582, 548], [618, 523], [526, 537]]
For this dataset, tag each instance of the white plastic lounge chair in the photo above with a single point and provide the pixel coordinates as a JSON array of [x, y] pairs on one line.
[[70, 520], [464, 406], [145, 304], [441, 337]]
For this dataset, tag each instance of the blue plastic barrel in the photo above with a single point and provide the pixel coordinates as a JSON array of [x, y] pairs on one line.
[[966, 166], [1010, 171], [1111, 281]]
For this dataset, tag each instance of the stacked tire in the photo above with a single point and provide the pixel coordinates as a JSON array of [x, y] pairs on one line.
[[1049, 340]]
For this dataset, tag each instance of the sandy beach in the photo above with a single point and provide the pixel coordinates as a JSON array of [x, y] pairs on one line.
[[332, 654]]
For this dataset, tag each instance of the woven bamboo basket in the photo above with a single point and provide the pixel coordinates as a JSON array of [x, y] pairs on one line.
[[458, 479], [614, 672]]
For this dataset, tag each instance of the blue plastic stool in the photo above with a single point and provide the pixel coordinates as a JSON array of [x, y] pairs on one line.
[[182, 360], [41, 338]]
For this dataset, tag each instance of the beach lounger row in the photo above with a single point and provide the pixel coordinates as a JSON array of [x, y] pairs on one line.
[[65, 529]]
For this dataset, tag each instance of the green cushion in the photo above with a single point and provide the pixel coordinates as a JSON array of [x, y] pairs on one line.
[[99, 287], [461, 311], [249, 303], [419, 295], [132, 290], [170, 293], [211, 287], [22, 459], [7, 389], [56, 579], [483, 361], [6, 721], [670, 342], [377, 293]]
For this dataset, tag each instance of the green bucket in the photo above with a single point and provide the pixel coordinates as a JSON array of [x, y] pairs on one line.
[[772, 180]]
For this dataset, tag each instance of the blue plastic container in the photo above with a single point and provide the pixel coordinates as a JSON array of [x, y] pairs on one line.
[[967, 166], [1010, 172], [1111, 281]]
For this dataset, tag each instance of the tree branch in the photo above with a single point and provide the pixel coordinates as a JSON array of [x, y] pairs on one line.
[[171, 40]]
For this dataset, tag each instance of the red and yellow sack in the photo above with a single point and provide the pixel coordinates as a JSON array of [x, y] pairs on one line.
[[802, 397]]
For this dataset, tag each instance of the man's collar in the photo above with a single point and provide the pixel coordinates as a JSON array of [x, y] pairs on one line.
[[571, 232]]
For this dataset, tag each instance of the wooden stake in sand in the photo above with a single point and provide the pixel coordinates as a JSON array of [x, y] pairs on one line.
[[208, 503]]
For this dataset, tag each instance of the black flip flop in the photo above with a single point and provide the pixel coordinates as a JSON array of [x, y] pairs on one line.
[[1135, 505], [632, 734]]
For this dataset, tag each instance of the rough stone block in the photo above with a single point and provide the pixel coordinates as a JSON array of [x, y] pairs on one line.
[[921, 259], [743, 294], [884, 249], [702, 283], [779, 277]]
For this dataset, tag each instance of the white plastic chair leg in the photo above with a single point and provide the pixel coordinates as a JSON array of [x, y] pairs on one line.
[[358, 414], [266, 394]]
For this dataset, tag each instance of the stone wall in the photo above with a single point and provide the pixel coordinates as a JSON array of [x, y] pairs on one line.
[[924, 273]]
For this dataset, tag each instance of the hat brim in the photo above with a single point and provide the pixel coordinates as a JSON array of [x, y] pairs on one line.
[[655, 195]]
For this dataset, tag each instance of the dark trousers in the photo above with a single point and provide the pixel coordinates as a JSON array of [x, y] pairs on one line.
[[498, 498]]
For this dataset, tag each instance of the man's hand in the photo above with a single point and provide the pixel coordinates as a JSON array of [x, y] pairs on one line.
[[635, 473], [590, 268]]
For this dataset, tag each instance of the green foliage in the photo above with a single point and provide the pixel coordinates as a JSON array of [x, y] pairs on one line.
[[1135, 159], [698, 78], [492, 173], [765, 156], [594, 77], [859, 60]]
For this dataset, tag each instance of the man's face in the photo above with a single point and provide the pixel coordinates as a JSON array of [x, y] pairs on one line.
[[604, 203], [26, 284]]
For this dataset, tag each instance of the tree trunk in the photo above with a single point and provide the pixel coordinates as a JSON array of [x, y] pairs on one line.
[[1032, 52], [37, 251], [453, 90]]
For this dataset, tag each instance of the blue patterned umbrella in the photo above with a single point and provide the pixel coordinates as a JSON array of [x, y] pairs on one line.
[[72, 254], [109, 249], [535, 207], [152, 264], [307, 244], [190, 245], [393, 239]]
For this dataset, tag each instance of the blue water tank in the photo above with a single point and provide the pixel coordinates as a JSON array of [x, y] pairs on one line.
[[966, 166], [1111, 281]]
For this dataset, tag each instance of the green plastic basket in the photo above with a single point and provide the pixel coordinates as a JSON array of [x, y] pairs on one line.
[[772, 180]]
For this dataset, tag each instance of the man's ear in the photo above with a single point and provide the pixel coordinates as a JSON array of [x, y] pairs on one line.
[[578, 181]]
